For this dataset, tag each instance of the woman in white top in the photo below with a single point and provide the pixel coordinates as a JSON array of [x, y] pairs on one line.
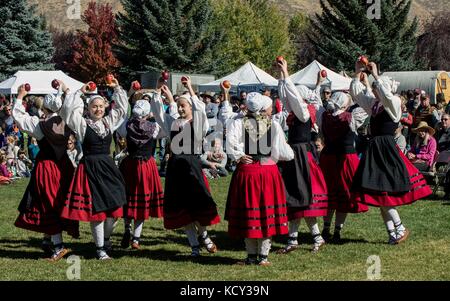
[[256, 205], [97, 192], [188, 202], [385, 178], [41, 205]]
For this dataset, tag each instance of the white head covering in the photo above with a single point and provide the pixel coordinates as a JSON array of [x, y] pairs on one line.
[[52, 102], [257, 102], [94, 97], [390, 83], [141, 108], [338, 101], [186, 97], [308, 95]]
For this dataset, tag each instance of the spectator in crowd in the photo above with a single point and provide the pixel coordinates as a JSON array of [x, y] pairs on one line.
[[33, 149], [320, 144], [211, 108], [23, 165], [406, 120], [122, 151], [2, 137], [424, 148], [72, 151], [411, 100], [280, 115], [5, 174], [11, 150], [400, 139], [425, 112], [326, 96], [214, 161], [443, 133], [7, 120]]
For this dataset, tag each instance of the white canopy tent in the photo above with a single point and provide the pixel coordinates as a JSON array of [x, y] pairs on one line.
[[308, 77], [248, 77], [40, 82]]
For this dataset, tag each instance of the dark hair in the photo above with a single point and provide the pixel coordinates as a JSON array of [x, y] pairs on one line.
[[21, 152]]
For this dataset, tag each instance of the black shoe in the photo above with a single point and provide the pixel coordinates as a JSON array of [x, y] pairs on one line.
[[47, 247], [326, 235], [125, 243], [337, 237]]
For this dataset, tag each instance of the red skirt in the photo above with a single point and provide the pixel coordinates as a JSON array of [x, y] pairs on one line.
[[339, 171], [319, 204], [145, 194], [43, 201], [256, 204], [419, 189], [78, 203]]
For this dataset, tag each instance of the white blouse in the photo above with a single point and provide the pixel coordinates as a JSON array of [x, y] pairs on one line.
[[235, 144], [292, 100], [73, 108], [366, 99], [26, 123]]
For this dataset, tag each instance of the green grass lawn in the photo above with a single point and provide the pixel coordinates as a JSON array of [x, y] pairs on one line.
[[165, 254]]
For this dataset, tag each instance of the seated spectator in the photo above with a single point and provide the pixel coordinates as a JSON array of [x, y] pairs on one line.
[[214, 161], [74, 155], [424, 148], [23, 165], [5, 174], [407, 119], [2, 138], [443, 133], [400, 139], [11, 150], [320, 144], [122, 152], [425, 113], [33, 149]]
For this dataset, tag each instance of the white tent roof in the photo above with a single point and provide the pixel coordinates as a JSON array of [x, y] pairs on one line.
[[40, 82], [247, 75], [308, 77]]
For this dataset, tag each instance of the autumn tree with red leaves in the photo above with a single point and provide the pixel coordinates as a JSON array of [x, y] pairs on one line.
[[92, 56]]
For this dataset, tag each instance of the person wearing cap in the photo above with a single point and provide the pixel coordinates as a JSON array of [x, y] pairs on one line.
[[425, 112], [97, 192], [188, 202], [41, 205], [339, 161], [385, 178], [307, 195], [256, 202], [143, 185], [423, 150]]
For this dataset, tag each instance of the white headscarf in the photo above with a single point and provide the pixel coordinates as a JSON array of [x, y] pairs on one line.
[[338, 101], [389, 83], [257, 102], [141, 108], [94, 97], [52, 103]]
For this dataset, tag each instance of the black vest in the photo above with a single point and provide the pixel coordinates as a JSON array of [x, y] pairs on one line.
[[144, 151], [46, 151], [260, 148], [299, 132], [382, 125], [339, 138], [93, 144]]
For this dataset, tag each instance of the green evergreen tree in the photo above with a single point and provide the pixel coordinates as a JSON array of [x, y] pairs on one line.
[[254, 30], [166, 34], [344, 30], [24, 43]]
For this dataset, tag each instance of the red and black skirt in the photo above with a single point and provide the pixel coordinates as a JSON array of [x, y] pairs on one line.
[[307, 194], [187, 197], [105, 191], [386, 178], [339, 171], [256, 203], [42, 203], [145, 195]]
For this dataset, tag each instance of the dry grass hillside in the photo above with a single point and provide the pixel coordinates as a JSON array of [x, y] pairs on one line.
[[56, 11]]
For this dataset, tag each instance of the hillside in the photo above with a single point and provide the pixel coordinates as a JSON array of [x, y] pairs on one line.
[[56, 11]]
